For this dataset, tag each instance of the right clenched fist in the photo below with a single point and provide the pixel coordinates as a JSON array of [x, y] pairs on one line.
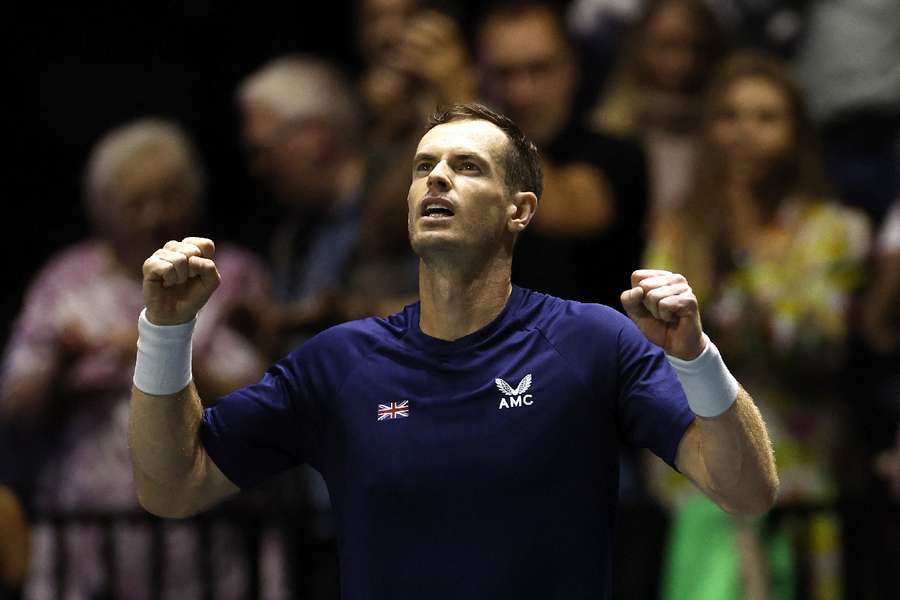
[[178, 280]]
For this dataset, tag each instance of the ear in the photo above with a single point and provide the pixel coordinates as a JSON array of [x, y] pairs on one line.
[[521, 211]]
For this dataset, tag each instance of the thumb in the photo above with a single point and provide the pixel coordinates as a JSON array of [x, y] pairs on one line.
[[633, 303]]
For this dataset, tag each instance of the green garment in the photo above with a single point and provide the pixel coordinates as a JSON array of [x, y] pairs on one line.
[[702, 562]]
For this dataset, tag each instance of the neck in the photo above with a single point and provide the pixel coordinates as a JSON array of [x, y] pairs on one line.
[[456, 302], [758, 200]]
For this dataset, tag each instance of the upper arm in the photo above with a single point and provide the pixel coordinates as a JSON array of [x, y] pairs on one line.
[[652, 409], [276, 424]]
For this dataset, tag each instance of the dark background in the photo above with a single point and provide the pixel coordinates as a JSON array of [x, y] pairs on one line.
[[72, 72]]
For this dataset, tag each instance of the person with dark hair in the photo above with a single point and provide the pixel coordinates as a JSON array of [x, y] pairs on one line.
[[775, 259], [590, 234], [656, 92], [469, 442]]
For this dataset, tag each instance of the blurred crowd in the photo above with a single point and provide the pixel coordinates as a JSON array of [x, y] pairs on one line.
[[752, 146]]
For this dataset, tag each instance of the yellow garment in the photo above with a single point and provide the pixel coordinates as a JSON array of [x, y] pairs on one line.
[[779, 317]]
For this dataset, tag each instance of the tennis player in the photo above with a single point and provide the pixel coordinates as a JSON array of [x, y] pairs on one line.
[[470, 442]]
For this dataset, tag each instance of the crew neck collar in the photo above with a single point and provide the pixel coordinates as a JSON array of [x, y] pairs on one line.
[[439, 346]]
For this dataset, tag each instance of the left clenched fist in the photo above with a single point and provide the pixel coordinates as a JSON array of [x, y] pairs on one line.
[[665, 309]]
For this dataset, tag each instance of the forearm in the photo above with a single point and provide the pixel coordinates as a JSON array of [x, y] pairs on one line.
[[172, 472], [737, 458]]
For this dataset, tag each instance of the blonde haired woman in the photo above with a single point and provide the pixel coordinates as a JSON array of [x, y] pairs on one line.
[[775, 260]]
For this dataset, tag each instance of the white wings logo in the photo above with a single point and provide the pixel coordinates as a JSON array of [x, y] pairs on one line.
[[520, 389], [517, 395]]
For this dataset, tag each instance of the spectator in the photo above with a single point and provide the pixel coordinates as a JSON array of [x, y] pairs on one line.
[[881, 319], [415, 58], [603, 24], [300, 125], [775, 260], [66, 373], [588, 235], [876, 377], [302, 129], [656, 92], [855, 95]]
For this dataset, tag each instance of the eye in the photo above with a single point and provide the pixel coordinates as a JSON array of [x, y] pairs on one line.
[[469, 166], [423, 167]]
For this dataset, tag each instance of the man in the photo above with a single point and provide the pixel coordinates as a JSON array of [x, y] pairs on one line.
[[469, 442], [299, 126], [589, 236]]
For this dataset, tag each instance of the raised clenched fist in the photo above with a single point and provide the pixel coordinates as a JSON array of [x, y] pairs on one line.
[[662, 304], [179, 279]]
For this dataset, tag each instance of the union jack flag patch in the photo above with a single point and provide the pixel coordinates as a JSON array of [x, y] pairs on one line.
[[393, 411]]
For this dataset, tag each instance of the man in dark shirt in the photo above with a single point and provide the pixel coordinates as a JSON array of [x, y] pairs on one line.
[[470, 441], [590, 234]]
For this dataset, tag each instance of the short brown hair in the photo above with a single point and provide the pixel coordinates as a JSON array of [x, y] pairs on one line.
[[522, 163]]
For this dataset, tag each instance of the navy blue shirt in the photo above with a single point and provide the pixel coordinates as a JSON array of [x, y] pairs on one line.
[[485, 467]]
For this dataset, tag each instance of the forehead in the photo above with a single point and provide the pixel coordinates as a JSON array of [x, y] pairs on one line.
[[477, 137], [150, 168], [755, 90], [531, 34]]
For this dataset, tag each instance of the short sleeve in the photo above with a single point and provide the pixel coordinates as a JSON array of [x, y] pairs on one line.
[[652, 409], [263, 429]]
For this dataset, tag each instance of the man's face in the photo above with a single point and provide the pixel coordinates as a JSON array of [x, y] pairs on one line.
[[673, 52], [458, 200], [381, 26], [153, 199], [297, 160], [528, 70]]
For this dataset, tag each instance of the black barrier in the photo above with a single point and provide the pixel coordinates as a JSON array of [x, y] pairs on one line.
[[250, 526]]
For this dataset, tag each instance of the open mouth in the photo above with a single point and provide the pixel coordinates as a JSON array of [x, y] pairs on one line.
[[437, 209]]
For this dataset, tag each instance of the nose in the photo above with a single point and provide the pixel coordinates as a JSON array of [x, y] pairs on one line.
[[439, 178]]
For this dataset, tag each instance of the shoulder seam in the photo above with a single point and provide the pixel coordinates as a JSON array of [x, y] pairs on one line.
[[586, 386], [379, 343]]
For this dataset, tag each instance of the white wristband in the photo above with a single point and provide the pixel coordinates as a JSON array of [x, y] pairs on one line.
[[163, 363], [710, 388]]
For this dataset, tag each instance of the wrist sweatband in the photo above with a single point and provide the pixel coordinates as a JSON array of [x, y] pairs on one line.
[[710, 388], [163, 363]]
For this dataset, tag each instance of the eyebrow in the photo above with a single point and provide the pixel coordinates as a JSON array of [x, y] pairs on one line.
[[461, 156]]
